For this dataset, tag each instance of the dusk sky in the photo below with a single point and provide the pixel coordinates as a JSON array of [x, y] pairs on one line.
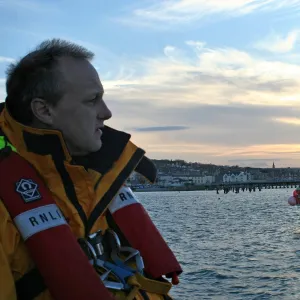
[[213, 81]]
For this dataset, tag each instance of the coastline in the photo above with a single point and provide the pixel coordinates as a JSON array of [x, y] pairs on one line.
[[171, 189]]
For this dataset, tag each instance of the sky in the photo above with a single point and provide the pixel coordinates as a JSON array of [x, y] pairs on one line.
[[213, 81]]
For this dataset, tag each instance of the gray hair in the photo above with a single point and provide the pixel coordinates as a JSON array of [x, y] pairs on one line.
[[36, 76]]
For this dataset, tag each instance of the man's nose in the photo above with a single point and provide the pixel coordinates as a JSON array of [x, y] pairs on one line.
[[104, 112]]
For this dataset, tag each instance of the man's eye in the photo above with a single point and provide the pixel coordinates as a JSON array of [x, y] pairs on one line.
[[93, 101]]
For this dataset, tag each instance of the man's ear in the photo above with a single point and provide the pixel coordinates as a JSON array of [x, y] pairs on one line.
[[42, 110]]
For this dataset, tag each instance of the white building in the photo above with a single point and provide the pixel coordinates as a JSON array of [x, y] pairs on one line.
[[181, 180], [240, 177], [198, 180]]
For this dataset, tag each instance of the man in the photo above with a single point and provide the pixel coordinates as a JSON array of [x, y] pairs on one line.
[[62, 176]]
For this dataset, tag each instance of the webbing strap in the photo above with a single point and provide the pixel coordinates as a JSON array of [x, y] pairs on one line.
[[30, 285], [149, 285]]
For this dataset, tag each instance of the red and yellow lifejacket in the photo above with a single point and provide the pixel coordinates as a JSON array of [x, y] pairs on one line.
[[85, 192]]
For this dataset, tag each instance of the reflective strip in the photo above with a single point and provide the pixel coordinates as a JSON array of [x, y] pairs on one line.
[[39, 219], [124, 198], [4, 143]]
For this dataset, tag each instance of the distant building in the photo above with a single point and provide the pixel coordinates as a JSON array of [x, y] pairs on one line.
[[164, 180], [237, 177], [197, 179]]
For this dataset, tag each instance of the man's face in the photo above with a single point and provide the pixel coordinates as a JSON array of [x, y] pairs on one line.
[[81, 113]]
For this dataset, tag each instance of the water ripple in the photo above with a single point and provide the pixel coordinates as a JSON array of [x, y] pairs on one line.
[[234, 246]]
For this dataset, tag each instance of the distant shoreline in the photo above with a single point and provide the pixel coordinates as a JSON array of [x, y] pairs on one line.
[[173, 189], [178, 189]]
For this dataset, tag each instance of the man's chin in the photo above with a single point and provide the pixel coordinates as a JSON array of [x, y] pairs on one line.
[[97, 146], [82, 150]]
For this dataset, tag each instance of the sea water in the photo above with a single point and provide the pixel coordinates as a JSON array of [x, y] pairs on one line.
[[231, 246]]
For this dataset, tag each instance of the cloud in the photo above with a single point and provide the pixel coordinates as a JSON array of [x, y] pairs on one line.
[[4, 59], [255, 162], [161, 128], [209, 75], [279, 44], [173, 53], [215, 133], [288, 120], [186, 11], [231, 101]]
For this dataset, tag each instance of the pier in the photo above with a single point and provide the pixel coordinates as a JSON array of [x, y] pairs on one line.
[[237, 187]]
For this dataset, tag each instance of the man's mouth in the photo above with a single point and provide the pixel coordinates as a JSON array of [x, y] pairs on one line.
[[99, 130]]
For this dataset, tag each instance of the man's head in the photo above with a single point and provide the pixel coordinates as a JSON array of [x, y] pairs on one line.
[[56, 87]]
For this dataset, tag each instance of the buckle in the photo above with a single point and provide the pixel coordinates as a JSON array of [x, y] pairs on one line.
[[95, 247], [128, 253], [101, 248]]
